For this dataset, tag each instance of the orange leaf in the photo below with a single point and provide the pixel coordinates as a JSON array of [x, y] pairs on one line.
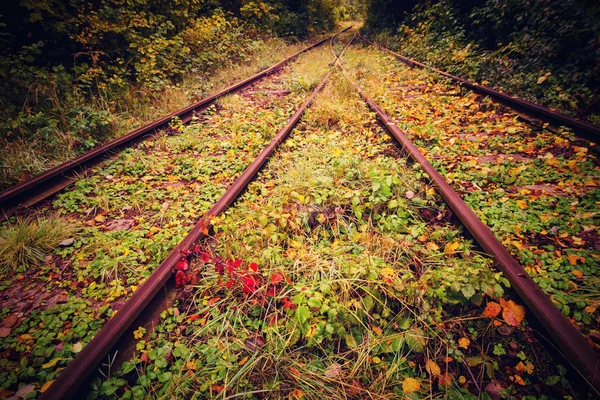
[[522, 204], [432, 368], [492, 309], [512, 313], [464, 343], [410, 385], [445, 379], [577, 273], [573, 259]]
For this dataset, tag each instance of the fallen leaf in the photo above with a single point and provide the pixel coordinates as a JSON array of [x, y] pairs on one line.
[[24, 391], [432, 368], [450, 248], [517, 379], [410, 385], [333, 370], [522, 204], [573, 259], [255, 342], [512, 313], [100, 218], [4, 332], [77, 347], [67, 242], [46, 385], [410, 194], [577, 273], [464, 343], [445, 379], [543, 78], [492, 309], [51, 363]]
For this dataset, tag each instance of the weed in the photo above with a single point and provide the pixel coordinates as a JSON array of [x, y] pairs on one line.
[[26, 243]]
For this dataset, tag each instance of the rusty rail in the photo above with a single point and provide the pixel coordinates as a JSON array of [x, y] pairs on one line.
[[69, 381], [61, 176], [590, 130], [570, 341]]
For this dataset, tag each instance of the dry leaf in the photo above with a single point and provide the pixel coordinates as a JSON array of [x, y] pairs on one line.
[[4, 332], [573, 259], [410, 385], [450, 248], [100, 218], [522, 204], [464, 343], [333, 370], [492, 309], [46, 385], [445, 379], [577, 273], [512, 313], [432, 368]]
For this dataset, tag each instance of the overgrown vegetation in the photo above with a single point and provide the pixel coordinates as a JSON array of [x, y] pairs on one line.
[[74, 74], [29, 241], [338, 274], [544, 51]]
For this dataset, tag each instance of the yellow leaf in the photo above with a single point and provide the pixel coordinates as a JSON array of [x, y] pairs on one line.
[[522, 204], [464, 343], [512, 313], [432, 368], [432, 246], [543, 78], [450, 248], [51, 363], [100, 218], [462, 380], [518, 380], [577, 273], [46, 385], [410, 385], [544, 218]]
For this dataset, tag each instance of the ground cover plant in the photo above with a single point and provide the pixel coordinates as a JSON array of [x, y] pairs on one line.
[[543, 51], [534, 185], [124, 219], [338, 274], [76, 74]]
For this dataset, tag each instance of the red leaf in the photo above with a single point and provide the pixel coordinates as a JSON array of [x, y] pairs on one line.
[[272, 291], [237, 263], [205, 257], [253, 267], [249, 285], [196, 250], [193, 317], [288, 304], [203, 227], [182, 264], [276, 278], [229, 284], [179, 278]]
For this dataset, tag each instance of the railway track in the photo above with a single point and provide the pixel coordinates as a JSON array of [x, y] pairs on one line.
[[217, 241], [52, 181], [584, 128], [67, 385], [572, 344]]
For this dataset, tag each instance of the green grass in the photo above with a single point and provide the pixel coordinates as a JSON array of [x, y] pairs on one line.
[[29, 241]]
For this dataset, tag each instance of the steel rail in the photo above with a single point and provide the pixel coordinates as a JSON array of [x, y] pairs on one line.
[[67, 384], [61, 176], [590, 130], [570, 341]]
